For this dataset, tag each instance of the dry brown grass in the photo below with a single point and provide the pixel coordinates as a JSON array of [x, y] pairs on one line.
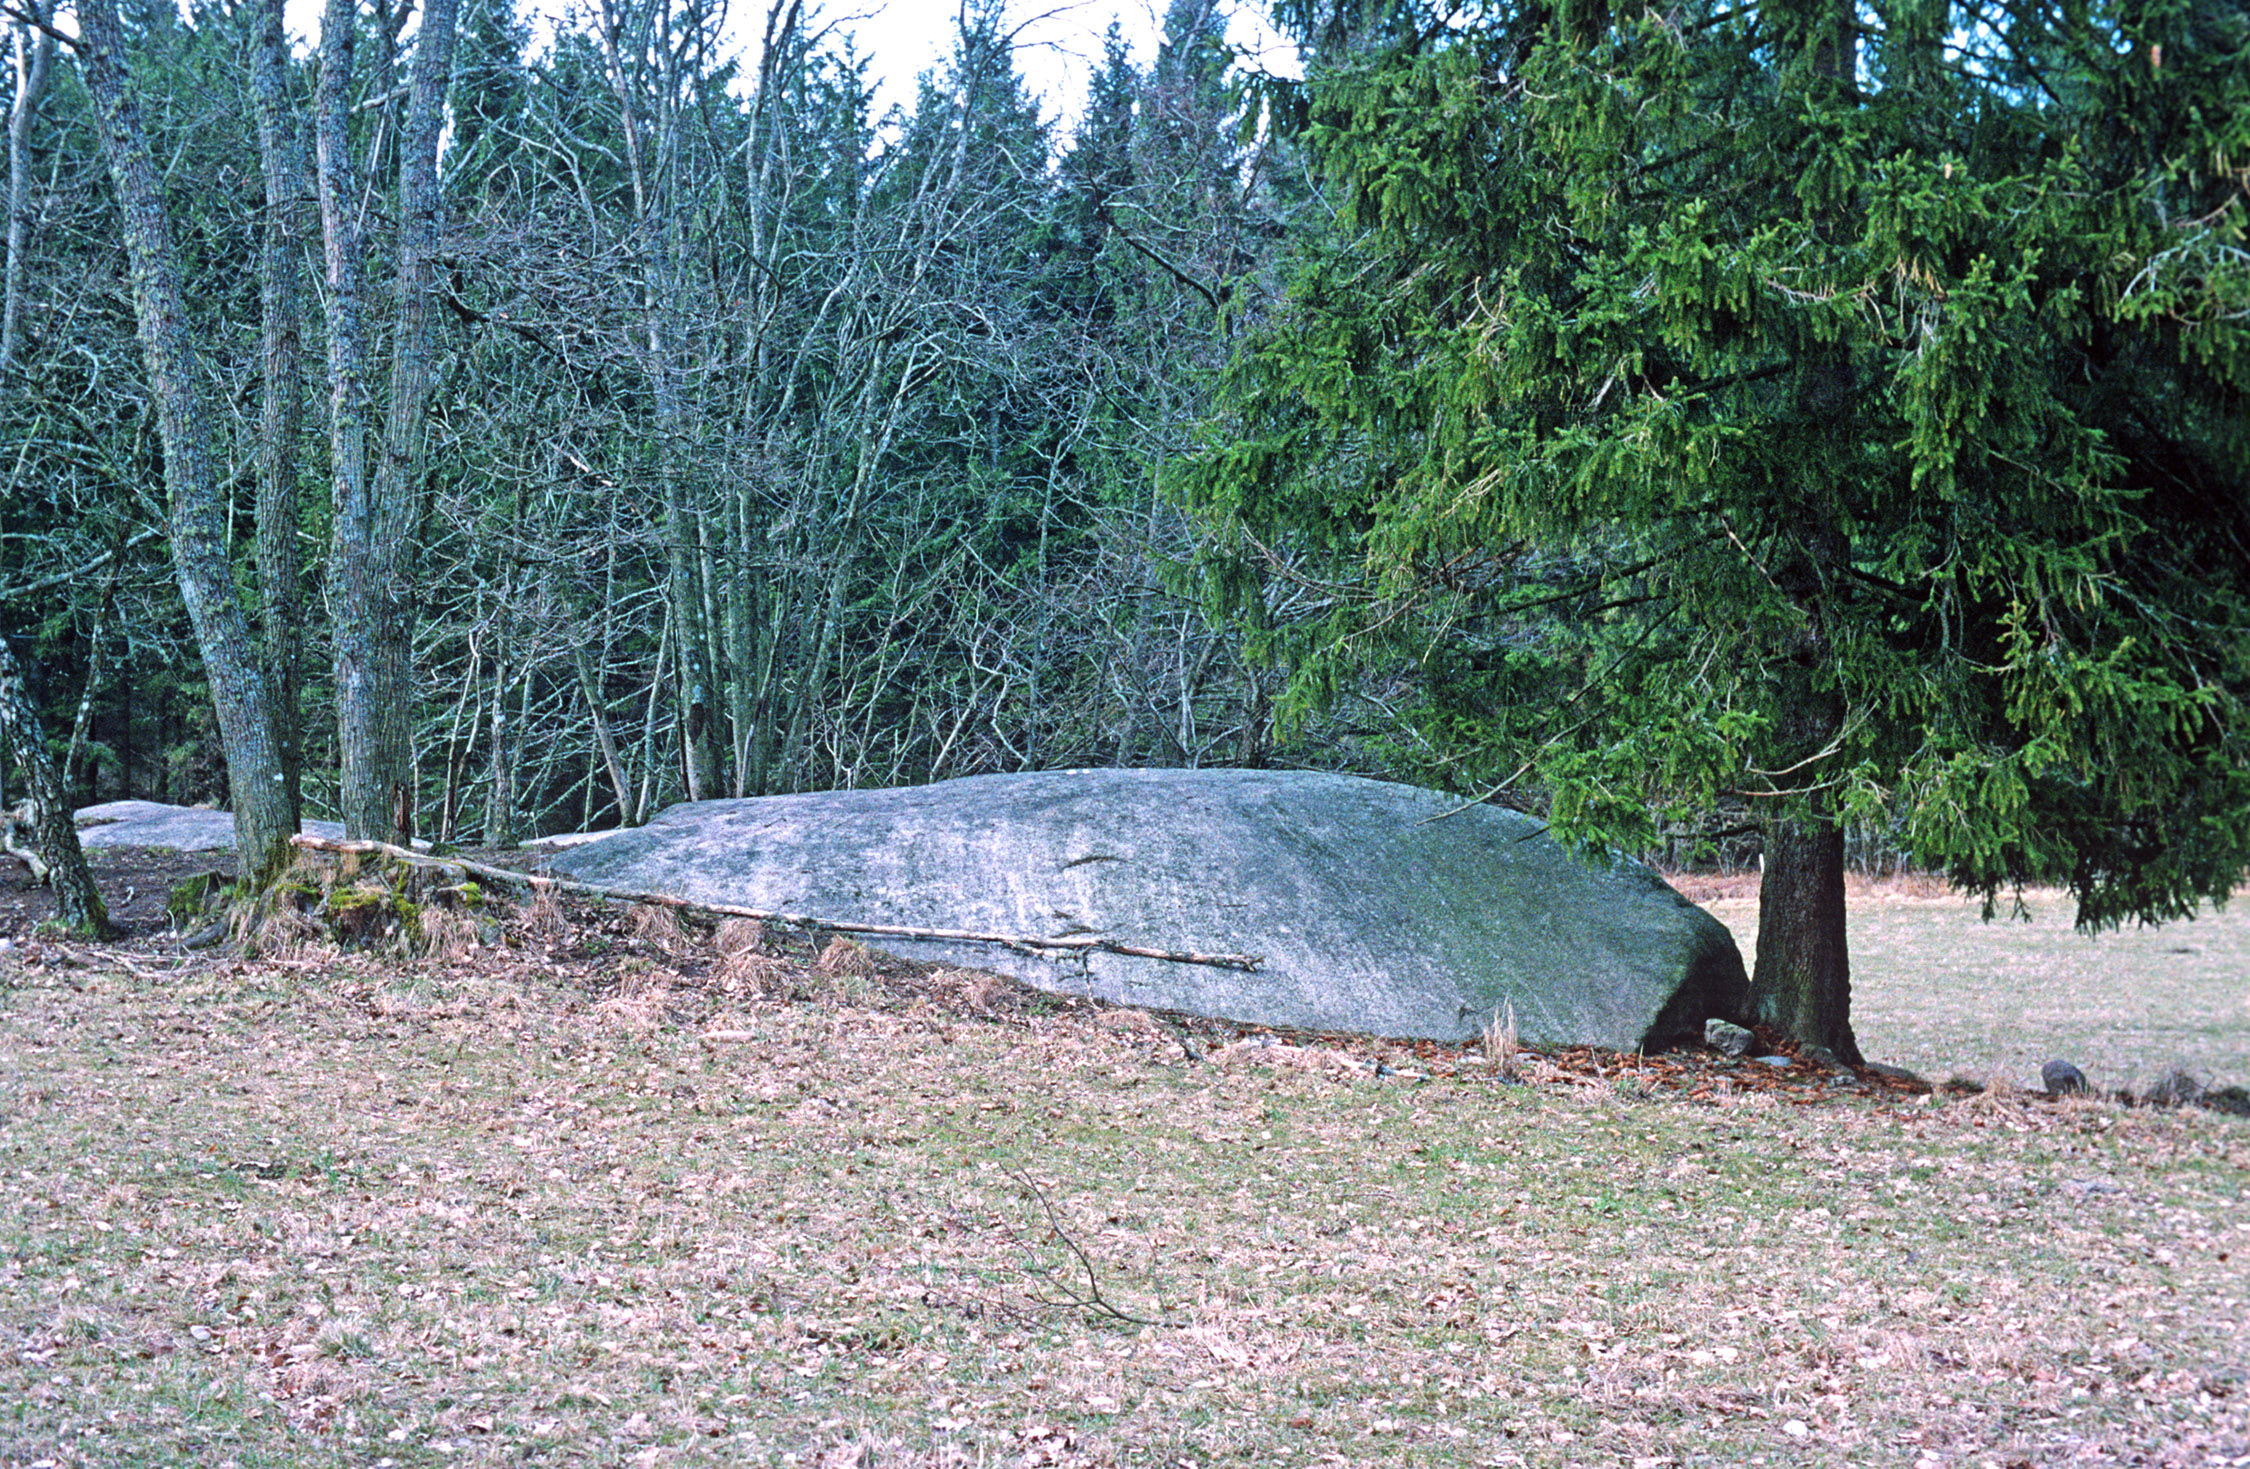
[[543, 914], [570, 1202], [1502, 1042], [281, 932], [660, 926], [738, 936], [846, 959], [447, 934]]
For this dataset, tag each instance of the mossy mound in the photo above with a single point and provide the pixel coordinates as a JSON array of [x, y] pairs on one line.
[[362, 904]]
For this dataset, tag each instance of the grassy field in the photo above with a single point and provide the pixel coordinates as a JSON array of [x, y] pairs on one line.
[[1940, 991], [615, 1199]]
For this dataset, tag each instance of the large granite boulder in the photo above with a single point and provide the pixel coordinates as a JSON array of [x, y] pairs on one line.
[[1377, 908], [154, 824]]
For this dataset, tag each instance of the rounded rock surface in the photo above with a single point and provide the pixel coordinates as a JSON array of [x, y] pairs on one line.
[[1375, 907]]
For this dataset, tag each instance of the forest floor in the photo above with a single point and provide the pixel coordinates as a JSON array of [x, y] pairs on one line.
[[134, 882], [615, 1189]]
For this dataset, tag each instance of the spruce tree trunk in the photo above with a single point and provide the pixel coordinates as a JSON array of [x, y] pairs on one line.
[[1802, 984], [77, 904], [259, 791]]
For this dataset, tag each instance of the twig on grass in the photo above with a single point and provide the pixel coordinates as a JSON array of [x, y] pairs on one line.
[[138, 971], [1073, 1298], [1078, 944]]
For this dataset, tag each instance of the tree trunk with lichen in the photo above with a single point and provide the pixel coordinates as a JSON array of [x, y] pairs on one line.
[[34, 59], [281, 411], [78, 905], [257, 787], [1802, 985], [371, 564]]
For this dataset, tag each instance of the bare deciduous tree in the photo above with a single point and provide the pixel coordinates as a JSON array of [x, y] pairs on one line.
[[372, 563], [34, 54], [281, 416], [262, 819]]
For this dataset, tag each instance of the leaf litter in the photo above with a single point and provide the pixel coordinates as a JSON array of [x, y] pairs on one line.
[[616, 1190]]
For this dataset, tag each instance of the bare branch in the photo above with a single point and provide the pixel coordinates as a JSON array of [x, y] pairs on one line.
[[1074, 1297], [1045, 947]]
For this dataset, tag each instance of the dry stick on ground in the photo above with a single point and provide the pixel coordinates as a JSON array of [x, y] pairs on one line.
[[1089, 1299], [1045, 948]]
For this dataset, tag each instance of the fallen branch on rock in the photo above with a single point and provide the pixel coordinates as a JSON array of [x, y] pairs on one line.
[[1044, 947]]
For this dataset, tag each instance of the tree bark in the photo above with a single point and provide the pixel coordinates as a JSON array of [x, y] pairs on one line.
[[500, 815], [348, 417], [372, 560], [197, 517], [78, 905], [281, 416], [398, 473], [1802, 984], [82, 725], [604, 738], [34, 56]]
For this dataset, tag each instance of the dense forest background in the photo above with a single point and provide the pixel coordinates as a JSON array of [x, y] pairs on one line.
[[1696, 424], [772, 445]]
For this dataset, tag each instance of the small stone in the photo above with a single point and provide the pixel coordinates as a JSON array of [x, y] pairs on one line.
[[2061, 1079], [1726, 1037], [1782, 1061], [1821, 1056], [1796, 1428]]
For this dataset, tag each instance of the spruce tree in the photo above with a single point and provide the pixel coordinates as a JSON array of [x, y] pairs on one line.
[[1820, 412]]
